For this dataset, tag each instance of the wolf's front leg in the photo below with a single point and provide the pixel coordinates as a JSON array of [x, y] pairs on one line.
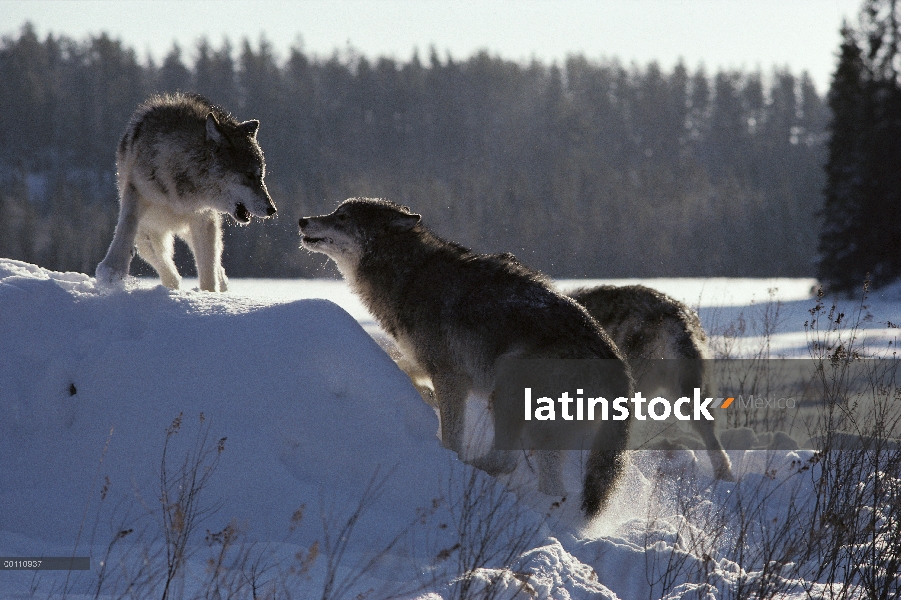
[[158, 248], [451, 390], [114, 266], [477, 445], [205, 241]]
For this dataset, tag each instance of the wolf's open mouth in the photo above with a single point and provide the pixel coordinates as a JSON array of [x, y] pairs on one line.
[[242, 215], [314, 240]]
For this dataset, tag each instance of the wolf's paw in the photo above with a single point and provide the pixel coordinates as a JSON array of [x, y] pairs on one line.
[[173, 281], [108, 277], [223, 280], [724, 473], [496, 462], [551, 485]]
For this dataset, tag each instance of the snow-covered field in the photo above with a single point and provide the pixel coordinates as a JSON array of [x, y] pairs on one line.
[[295, 425]]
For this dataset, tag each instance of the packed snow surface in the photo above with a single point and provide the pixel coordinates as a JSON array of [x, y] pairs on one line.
[[287, 410]]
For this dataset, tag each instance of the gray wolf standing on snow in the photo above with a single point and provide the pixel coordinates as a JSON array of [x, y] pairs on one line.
[[181, 162], [456, 314], [646, 324]]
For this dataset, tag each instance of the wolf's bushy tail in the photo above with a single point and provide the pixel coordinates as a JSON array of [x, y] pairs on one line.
[[606, 462]]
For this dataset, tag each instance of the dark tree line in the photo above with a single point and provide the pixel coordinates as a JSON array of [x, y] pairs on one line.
[[585, 169], [862, 212]]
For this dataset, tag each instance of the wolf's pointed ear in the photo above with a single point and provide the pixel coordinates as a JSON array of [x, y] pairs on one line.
[[212, 129], [402, 222], [250, 127]]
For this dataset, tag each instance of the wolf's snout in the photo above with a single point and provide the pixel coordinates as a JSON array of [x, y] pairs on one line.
[[269, 205], [303, 222]]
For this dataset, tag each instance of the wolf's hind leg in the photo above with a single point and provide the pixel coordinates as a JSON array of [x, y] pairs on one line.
[[550, 479], [157, 249], [722, 467], [693, 375], [204, 237], [117, 261]]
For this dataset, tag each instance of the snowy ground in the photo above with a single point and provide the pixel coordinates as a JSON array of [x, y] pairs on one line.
[[313, 414], [722, 302]]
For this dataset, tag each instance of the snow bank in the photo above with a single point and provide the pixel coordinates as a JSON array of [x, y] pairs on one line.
[[311, 407], [312, 411]]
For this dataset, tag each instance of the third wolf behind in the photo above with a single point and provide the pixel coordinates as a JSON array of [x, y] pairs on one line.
[[648, 325]]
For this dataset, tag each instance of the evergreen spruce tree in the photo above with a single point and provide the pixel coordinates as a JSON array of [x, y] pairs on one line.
[[862, 211], [174, 76], [843, 259]]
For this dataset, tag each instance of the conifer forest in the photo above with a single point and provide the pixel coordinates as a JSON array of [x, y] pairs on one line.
[[590, 168]]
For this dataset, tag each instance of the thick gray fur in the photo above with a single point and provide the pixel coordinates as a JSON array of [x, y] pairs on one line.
[[646, 324], [181, 163], [456, 313]]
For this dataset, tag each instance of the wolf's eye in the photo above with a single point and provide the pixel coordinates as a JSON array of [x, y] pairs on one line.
[[342, 217]]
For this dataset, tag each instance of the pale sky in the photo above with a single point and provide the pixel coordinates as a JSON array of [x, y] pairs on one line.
[[741, 34]]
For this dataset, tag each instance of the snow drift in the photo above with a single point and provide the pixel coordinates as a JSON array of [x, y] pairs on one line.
[[310, 406], [313, 413]]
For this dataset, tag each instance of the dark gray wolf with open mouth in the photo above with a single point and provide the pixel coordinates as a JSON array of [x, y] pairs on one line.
[[456, 314], [181, 163]]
